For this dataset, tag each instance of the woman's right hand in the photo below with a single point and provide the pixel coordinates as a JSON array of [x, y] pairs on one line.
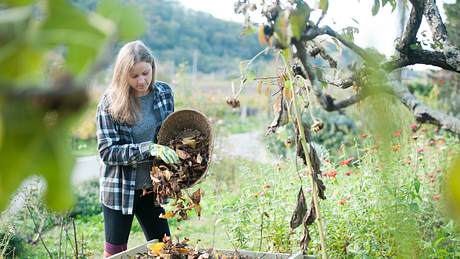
[[165, 153]]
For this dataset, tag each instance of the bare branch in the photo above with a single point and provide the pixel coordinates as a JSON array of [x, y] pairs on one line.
[[344, 83], [313, 32], [38, 231], [423, 113], [326, 101]]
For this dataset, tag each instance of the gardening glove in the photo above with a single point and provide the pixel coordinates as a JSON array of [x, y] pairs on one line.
[[165, 153]]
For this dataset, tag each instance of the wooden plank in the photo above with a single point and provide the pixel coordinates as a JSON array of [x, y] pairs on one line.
[[229, 253]]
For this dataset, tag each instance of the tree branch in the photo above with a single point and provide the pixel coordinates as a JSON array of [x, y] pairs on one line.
[[413, 24], [326, 101], [423, 113], [439, 31], [314, 31], [421, 56]]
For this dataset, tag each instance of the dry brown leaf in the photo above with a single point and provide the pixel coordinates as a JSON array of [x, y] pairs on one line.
[[190, 141], [259, 87], [167, 215], [300, 210], [167, 175], [182, 154], [197, 208], [267, 90], [261, 35], [199, 159], [196, 196]]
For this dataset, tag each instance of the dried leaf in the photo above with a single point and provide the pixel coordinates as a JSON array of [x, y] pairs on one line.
[[182, 154], [311, 216], [300, 210], [306, 238], [190, 141], [199, 159], [155, 248], [167, 175], [167, 215], [267, 90], [261, 35], [197, 208], [259, 87], [196, 196]]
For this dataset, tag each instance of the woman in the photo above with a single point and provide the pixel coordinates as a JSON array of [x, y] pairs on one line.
[[129, 116]]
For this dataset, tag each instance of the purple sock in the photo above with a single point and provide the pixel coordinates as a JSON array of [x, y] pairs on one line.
[[115, 249]]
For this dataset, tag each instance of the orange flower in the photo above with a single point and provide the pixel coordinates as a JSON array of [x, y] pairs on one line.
[[346, 162], [397, 133], [331, 174], [348, 173], [342, 201]]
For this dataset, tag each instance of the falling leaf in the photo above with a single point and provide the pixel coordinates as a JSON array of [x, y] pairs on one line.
[[167, 215], [197, 208], [196, 196]]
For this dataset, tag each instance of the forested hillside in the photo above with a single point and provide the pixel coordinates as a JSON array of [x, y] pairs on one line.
[[175, 32]]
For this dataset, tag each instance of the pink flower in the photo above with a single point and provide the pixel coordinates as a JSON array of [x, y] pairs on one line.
[[420, 150], [397, 133], [348, 173]]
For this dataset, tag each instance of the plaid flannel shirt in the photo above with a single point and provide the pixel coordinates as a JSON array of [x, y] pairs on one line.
[[118, 153]]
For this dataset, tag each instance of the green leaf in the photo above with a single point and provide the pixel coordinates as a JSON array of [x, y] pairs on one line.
[[286, 54], [250, 75], [13, 3], [453, 186], [282, 34], [70, 29], [288, 84], [128, 18], [21, 64], [35, 144], [417, 185], [376, 7], [324, 5], [298, 18]]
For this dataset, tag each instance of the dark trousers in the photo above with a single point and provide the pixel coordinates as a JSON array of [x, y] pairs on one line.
[[117, 226]]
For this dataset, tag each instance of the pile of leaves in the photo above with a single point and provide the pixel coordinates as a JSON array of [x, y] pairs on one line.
[[170, 249], [170, 180]]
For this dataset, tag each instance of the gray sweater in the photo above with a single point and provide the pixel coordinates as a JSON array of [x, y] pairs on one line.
[[144, 130]]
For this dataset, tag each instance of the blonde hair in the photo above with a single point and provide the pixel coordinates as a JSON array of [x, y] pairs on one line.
[[124, 106]]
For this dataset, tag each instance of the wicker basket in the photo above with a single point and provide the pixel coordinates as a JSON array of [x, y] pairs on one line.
[[187, 119]]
